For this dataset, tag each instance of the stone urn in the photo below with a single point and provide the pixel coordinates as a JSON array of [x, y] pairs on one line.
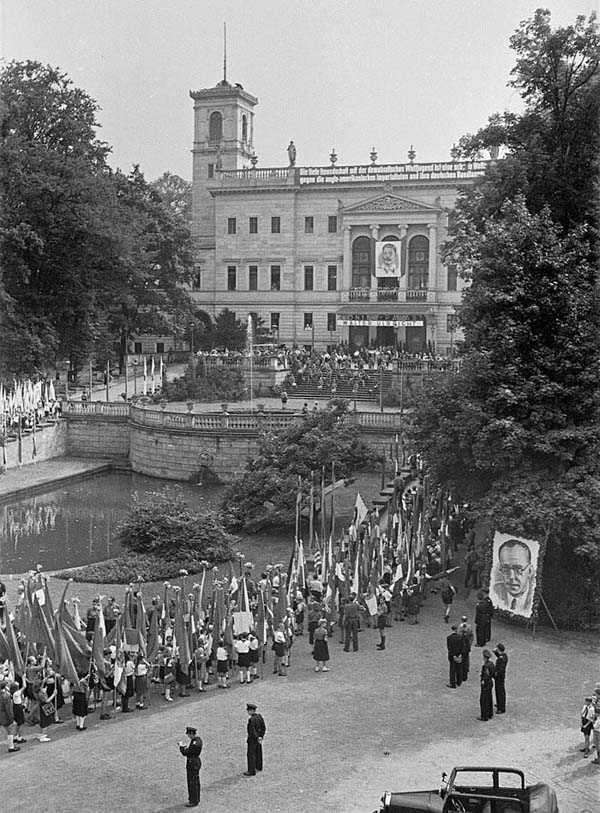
[[190, 406]]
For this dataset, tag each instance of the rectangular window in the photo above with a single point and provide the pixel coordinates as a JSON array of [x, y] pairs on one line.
[[275, 225], [452, 277], [253, 278], [332, 277], [332, 224], [231, 278], [451, 323], [160, 347], [274, 321], [137, 348], [331, 322], [275, 277], [309, 278], [253, 225], [309, 225], [308, 321], [231, 225], [197, 279], [211, 171]]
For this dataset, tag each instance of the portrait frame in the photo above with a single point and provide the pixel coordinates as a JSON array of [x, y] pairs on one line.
[[526, 601], [393, 270]]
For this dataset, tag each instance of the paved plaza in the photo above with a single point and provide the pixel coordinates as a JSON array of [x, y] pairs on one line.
[[335, 741]]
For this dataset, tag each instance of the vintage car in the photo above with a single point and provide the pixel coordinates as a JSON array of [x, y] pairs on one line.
[[476, 790]]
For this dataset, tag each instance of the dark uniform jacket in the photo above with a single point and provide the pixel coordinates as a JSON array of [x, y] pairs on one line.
[[256, 726], [454, 642], [192, 752]]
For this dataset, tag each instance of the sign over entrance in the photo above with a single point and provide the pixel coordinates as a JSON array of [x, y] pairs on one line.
[[357, 321]]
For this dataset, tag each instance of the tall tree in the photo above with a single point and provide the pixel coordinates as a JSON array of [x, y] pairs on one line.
[[516, 433], [88, 255]]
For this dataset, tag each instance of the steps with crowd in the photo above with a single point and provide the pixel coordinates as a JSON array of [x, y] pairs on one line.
[[366, 391]]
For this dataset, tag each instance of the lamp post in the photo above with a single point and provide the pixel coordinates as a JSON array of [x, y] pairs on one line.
[[68, 366], [192, 338]]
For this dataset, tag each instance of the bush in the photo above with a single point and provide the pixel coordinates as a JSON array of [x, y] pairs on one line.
[[207, 383], [163, 523], [131, 567]]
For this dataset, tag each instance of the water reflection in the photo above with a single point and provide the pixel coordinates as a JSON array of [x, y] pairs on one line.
[[75, 525]]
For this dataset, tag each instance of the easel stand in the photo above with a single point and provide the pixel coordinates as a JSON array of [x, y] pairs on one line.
[[548, 613]]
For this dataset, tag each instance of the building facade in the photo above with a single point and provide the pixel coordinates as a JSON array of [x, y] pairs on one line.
[[321, 255]]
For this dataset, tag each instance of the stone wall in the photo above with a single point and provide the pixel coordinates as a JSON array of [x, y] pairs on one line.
[[97, 436], [188, 455], [50, 442]]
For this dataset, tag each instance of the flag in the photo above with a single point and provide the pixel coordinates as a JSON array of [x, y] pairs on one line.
[[360, 510], [98, 644], [145, 385], [120, 681], [300, 567], [62, 656], [261, 619], [152, 381], [5, 651], [153, 638], [140, 623], [13, 646]]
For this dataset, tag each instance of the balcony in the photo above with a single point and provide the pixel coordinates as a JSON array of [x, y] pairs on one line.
[[377, 295]]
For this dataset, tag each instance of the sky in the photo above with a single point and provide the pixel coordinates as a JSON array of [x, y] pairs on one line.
[[343, 74]]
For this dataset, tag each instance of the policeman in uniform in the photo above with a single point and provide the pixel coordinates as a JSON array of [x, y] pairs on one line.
[[193, 764], [256, 731]]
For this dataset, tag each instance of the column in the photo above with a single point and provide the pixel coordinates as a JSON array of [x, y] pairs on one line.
[[433, 282], [346, 281], [375, 237], [403, 282]]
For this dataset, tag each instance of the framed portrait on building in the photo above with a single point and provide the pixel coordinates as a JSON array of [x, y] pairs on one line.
[[514, 574], [387, 259]]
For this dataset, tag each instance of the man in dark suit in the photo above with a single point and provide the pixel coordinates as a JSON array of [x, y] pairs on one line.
[[256, 731], [192, 766], [455, 645], [500, 677], [465, 630], [484, 610]]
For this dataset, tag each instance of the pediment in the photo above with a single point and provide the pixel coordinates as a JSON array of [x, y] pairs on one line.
[[389, 203]]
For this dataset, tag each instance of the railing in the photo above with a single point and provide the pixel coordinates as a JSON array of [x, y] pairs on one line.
[[92, 408], [375, 295]]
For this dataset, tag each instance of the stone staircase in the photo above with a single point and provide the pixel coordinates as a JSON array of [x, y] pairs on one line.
[[366, 392]]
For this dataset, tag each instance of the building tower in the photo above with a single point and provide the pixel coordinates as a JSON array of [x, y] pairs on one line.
[[223, 140]]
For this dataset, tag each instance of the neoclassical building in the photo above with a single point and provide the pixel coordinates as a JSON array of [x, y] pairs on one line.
[[321, 254]]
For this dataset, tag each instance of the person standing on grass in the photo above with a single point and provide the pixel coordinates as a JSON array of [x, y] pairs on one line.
[[596, 733], [222, 664], [321, 647]]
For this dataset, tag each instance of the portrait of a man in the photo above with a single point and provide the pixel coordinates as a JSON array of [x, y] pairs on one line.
[[513, 576], [387, 255]]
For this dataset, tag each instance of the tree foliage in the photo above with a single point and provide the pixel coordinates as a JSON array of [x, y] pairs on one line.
[[515, 432], [88, 254], [265, 495], [162, 522]]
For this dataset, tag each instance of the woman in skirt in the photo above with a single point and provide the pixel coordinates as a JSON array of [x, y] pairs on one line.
[[80, 704], [142, 667], [321, 648]]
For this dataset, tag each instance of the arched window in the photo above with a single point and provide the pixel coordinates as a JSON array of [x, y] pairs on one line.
[[244, 129], [361, 263], [418, 263], [215, 128]]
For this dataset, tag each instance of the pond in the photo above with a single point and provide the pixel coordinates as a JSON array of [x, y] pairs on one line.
[[75, 524]]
